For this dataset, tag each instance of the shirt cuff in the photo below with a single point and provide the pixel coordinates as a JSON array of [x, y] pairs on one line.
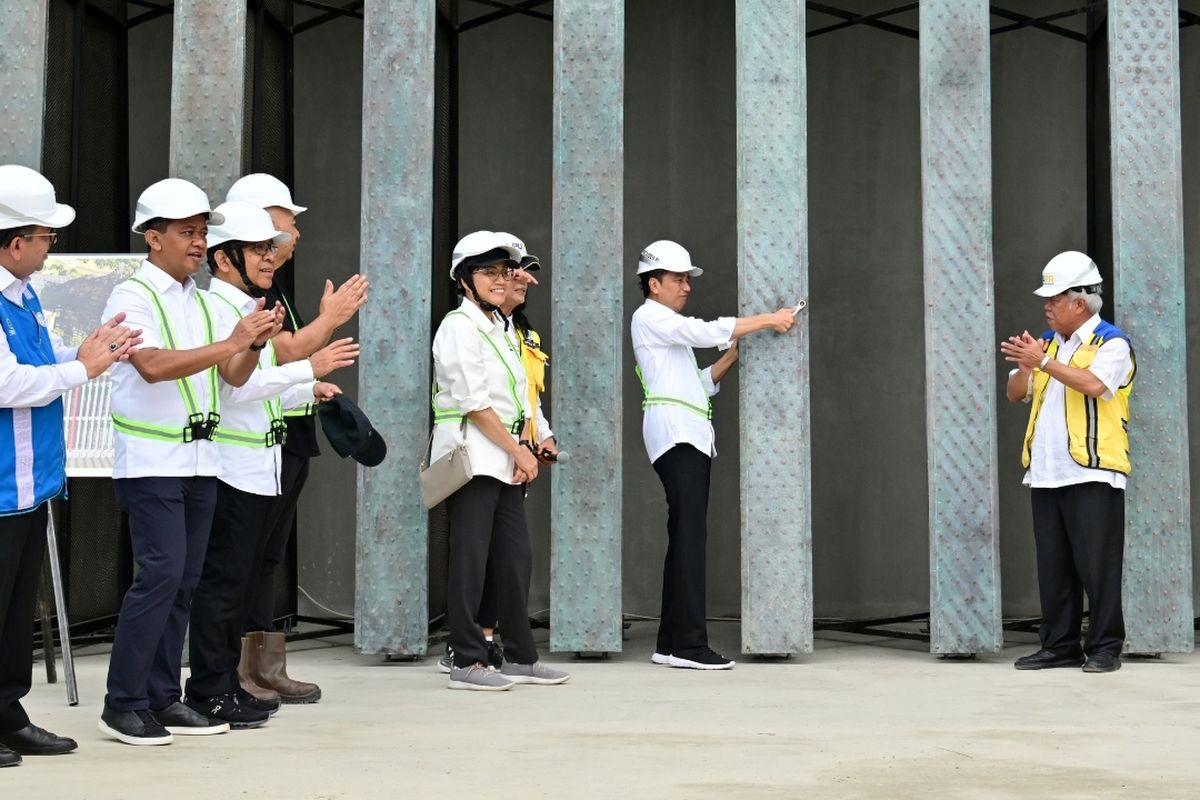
[[74, 374], [727, 324]]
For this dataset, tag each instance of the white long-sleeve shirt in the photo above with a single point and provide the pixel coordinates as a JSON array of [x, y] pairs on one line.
[[254, 469], [159, 403], [662, 344], [26, 386], [473, 374]]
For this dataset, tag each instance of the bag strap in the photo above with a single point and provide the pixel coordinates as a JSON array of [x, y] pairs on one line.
[[462, 432]]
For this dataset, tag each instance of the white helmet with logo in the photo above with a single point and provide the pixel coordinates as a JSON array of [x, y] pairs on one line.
[[480, 242], [172, 198], [525, 261], [1067, 271], [264, 191], [665, 254], [244, 222], [27, 198]]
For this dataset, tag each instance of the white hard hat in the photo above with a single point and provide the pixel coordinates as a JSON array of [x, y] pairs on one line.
[[172, 198], [665, 254], [264, 191], [480, 242], [244, 222], [527, 262], [1066, 271], [27, 198]]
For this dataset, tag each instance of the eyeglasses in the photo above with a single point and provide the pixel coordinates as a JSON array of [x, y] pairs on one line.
[[496, 273], [262, 248], [52, 237]]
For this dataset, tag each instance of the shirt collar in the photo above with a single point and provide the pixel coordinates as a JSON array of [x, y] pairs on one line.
[[12, 286], [659, 308], [1085, 331], [161, 281], [481, 319], [233, 294]]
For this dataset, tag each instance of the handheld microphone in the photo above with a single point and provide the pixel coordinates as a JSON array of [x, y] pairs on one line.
[[561, 457]]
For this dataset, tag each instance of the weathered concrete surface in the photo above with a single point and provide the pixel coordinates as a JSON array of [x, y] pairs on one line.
[[850, 721]]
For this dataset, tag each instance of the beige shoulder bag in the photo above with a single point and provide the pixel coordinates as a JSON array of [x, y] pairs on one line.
[[448, 474]]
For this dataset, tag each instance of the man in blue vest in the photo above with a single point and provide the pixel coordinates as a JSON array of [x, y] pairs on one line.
[[35, 370], [1080, 373]]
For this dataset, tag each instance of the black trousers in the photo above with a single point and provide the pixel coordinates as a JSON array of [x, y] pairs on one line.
[[487, 519], [684, 472], [22, 548], [260, 595], [219, 606], [169, 522], [1080, 535]]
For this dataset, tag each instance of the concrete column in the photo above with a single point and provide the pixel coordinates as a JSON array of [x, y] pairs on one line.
[[208, 83], [772, 217], [589, 361], [23, 65], [960, 330], [1147, 206], [391, 602]]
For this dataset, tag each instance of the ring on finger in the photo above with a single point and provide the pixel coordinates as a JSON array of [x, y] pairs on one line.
[[112, 347]]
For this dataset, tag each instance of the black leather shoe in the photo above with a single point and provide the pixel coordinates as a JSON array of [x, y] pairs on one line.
[[33, 741], [1102, 662], [1047, 659], [8, 758]]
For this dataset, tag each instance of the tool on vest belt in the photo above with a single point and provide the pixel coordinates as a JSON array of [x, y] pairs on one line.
[[201, 427], [803, 304], [277, 434]]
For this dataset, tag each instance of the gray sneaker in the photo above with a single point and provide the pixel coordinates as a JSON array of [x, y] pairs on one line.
[[537, 672], [447, 660], [478, 678]]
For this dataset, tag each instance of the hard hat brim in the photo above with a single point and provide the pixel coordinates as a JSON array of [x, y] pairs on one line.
[[61, 217], [1050, 291], [694, 272]]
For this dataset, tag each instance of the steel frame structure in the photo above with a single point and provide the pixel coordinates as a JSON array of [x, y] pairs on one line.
[[397, 132]]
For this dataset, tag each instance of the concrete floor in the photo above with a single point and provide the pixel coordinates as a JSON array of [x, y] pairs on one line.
[[860, 718]]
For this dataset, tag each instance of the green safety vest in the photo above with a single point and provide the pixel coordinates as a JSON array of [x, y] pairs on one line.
[[272, 405], [665, 400], [163, 433], [444, 415]]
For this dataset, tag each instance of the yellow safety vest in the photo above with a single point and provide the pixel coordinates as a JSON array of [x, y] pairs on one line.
[[534, 359], [1097, 429]]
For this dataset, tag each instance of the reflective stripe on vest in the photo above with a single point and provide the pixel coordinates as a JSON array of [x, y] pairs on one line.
[[444, 415], [273, 407], [1097, 430], [664, 400], [152, 430]]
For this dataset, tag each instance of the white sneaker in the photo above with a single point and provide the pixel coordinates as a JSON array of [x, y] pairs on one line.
[[537, 672], [663, 659], [478, 678]]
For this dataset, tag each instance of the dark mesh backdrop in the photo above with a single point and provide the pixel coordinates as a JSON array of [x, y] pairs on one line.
[[444, 236], [85, 140], [85, 155], [269, 149]]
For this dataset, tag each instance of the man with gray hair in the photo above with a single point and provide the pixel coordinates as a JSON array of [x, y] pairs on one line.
[[1077, 460]]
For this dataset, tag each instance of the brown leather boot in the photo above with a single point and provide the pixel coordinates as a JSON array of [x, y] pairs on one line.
[[246, 674], [270, 664]]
